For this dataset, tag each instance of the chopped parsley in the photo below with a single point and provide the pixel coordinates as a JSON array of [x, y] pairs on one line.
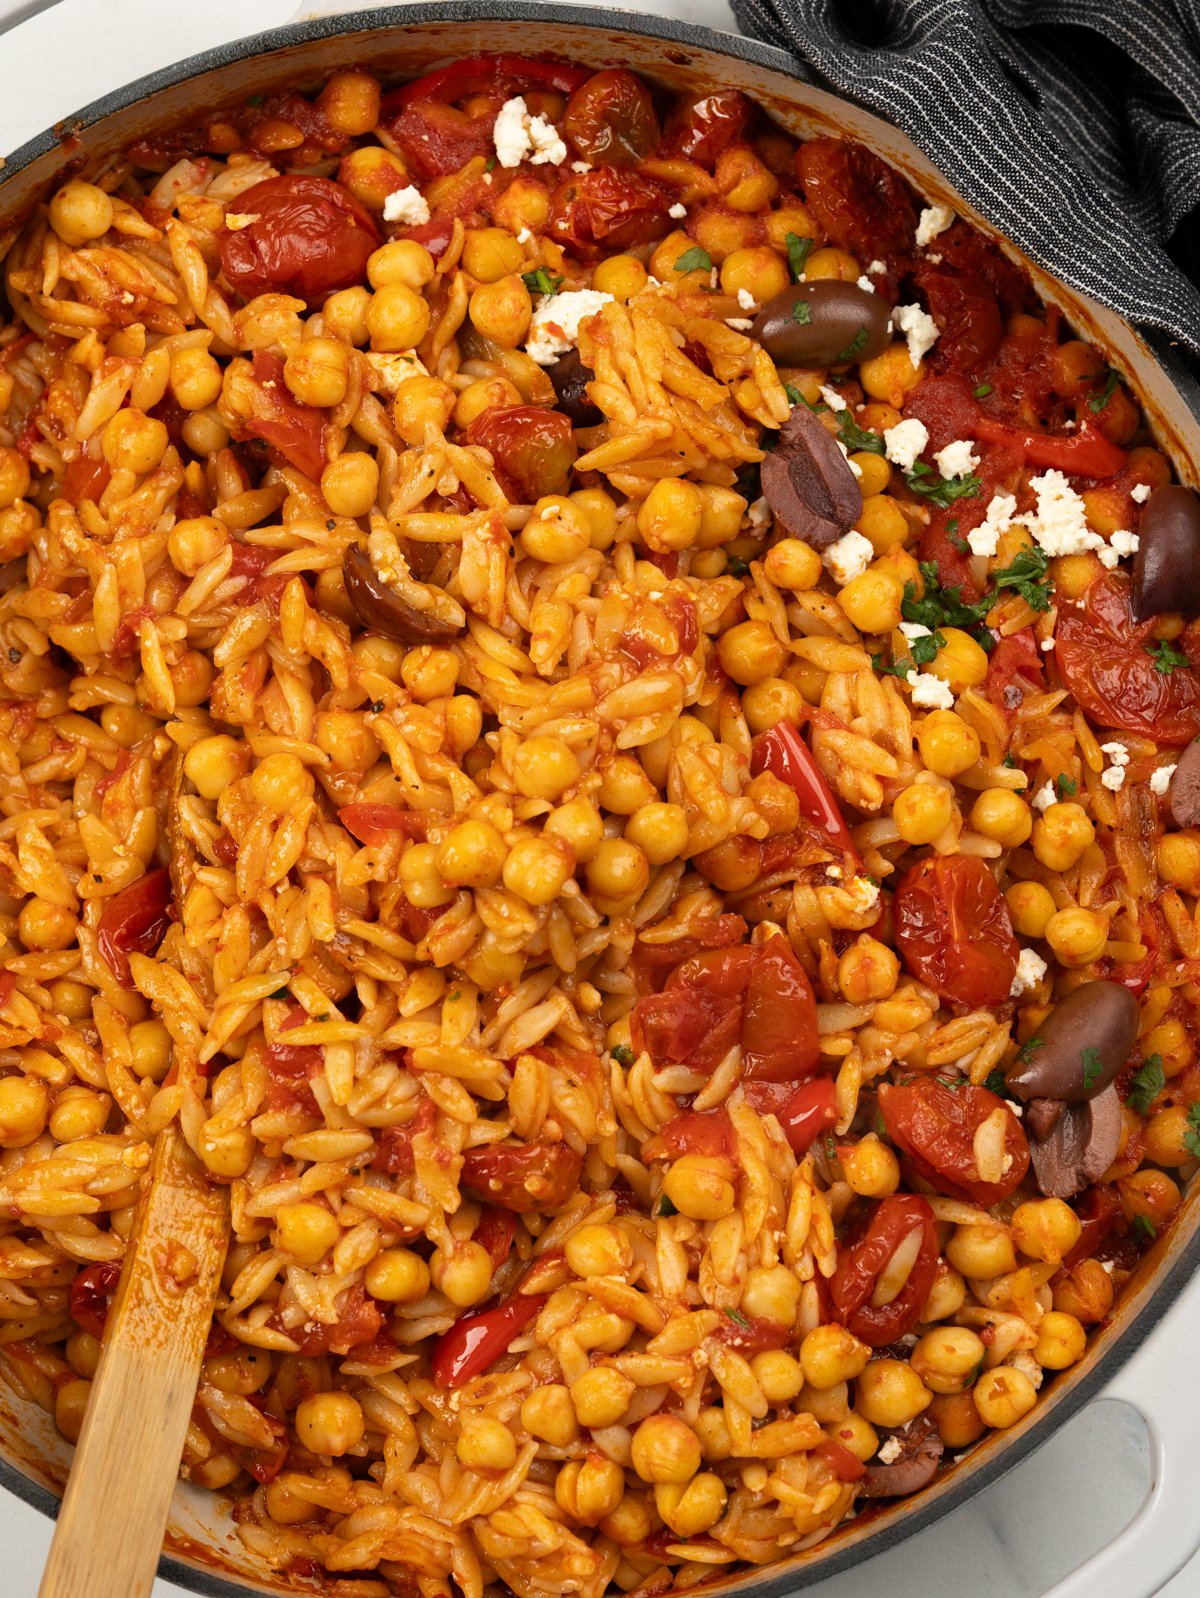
[[378, 707], [491, 164], [737, 567], [880, 1126], [997, 1082], [281, 993], [1064, 786], [1147, 1084], [983, 390], [795, 397], [1191, 1138], [14, 656], [802, 313], [1010, 760], [541, 281], [623, 1055], [1098, 401], [856, 438], [665, 1207], [1027, 1050], [1093, 1068], [255, 100], [1144, 1230], [857, 343], [694, 260], [941, 491], [900, 667], [945, 607], [1027, 577], [1165, 657], [738, 1319], [956, 538], [799, 251]]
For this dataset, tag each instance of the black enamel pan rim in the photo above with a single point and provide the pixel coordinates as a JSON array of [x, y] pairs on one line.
[[1002, 1457]]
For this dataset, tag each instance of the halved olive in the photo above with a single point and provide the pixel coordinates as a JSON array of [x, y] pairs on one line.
[[570, 378], [809, 483], [1080, 1146], [827, 323], [382, 610], [1166, 568]]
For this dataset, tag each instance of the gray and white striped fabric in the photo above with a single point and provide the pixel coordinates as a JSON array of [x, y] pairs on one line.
[[1073, 125]]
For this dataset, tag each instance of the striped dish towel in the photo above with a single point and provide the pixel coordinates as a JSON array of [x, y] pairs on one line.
[[1072, 125]]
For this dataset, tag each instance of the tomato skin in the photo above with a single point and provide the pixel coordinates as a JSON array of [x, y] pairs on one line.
[[311, 237], [496, 1231], [532, 446], [293, 432], [527, 1178], [134, 920], [494, 76], [395, 1152], [1086, 453], [934, 1126], [610, 119], [1101, 655], [811, 1110], [782, 751], [953, 930], [608, 210], [860, 1264], [85, 479], [476, 1341], [840, 1460], [694, 1132], [968, 318], [1014, 670], [862, 205], [375, 824], [92, 1291], [701, 128], [359, 1321], [752, 1334]]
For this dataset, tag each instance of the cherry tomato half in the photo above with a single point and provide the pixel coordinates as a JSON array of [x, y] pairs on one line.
[[953, 930], [935, 1125], [1102, 655], [527, 1178], [134, 921], [309, 236], [376, 823], [476, 1341], [496, 1230], [293, 432], [533, 448], [610, 210], [92, 1291], [862, 205], [861, 1264], [693, 1132], [610, 119], [699, 129]]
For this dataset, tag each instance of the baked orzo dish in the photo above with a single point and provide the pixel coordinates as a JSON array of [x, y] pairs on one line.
[[600, 704]]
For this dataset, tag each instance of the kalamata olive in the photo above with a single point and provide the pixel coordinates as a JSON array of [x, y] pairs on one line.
[[382, 610], [1080, 1047], [823, 324], [808, 482], [570, 378], [913, 1468], [1080, 1148], [1166, 568], [1184, 792]]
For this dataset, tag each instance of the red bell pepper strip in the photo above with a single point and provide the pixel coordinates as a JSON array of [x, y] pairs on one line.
[[477, 1341], [782, 751], [490, 74], [1086, 453], [811, 1110], [840, 1460]]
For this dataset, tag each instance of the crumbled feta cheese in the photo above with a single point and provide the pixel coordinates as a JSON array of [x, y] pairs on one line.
[[385, 373], [919, 328], [740, 324], [1031, 968], [581, 166], [1160, 779], [935, 219], [759, 513], [555, 325], [985, 539], [914, 629], [904, 442], [957, 459], [890, 1451], [1023, 1361], [864, 282], [864, 893], [1139, 493], [878, 266], [678, 211], [1113, 776], [928, 691], [518, 135], [1125, 543], [235, 221], [934, 260], [1045, 797], [406, 205], [746, 300], [832, 398], [848, 558], [853, 465], [1047, 644], [1059, 524], [524, 236]]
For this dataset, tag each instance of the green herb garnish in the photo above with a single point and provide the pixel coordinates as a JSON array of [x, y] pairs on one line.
[[623, 1055], [857, 343], [1191, 1138], [694, 260], [1026, 576], [255, 100], [1147, 1084], [952, 533], [795, 397], [945, 607], [802, 313], [857, 439], [1165, 657], [281, 993], [941, 491], [1065, 786], [1028, 1050], [1093, 1068], [1098, 401], [983, 390], [1144, 1230], [880, 1126], [665, 1207], [737, 567], [799, 251], [738, 1319], [1010, 760], [541, 281], [997, 1082], [490, 164]]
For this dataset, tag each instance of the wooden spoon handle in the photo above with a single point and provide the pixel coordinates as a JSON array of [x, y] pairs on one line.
[[110, 1528]]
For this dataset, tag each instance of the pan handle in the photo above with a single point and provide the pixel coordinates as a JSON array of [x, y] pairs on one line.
[[1165, 1533]]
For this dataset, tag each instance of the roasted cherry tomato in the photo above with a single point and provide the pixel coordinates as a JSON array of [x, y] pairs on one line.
[[609, 210], [85, 479], [610, 119], [359, 1320], [307, 117], [862, 205], [1102, 654], [526, 1178], [1014, 669], [377, 823], [751, 1334], [935, 1126], [782, 751], [1086, 453], [309, 236], [496, 77], [533, 448], [953, 930], [969, 323], [701, 128], [496, 1230], [293, 432], [92, 1291], [251, 561], [803, 1113], [693, 1132], [755, 994], [134, 921], [477, 1341], [840, 1460], [716, 932], [395, 1152], [860, 1265]]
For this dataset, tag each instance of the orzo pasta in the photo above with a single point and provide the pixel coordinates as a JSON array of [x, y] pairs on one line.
[[611, 735]]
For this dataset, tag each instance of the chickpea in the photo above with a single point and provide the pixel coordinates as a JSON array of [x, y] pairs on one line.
[[870, 1167], [397, 1276], [70, 1405], [134, 442], [830, 263], [956, 1418], [981, 1251], [150, 1050], [856, 1435], [750, 652], [665, 1449], [779, 1374], [1003, 1395], [83, 1354], [1061, 835], [1045, 1229], [490, 253], [923, 811], [765, 704], [397, 318], [691, 1509], [578, 823], [204, 433], [463, 1273], [305, 1231], [948, 744], [317, 372], [588, 1489], [889, 375], [14, 477], [350, 101], [501, 311], [472, 855], [1077, 937], [345, 315], [701, 1186], [1030, 906], [668, 519], [830, 1354], [601, 1395], [1085, 1292], [524, 204], [868, 970], [549, 1415], [350, 483], [330, 1423], [622, 276], [890, 1393], [1152, 1194], [1003, 816], [45, 926], [791, 563], [195, 379], [874, 473], [429, 672], [962, 663], [1061, 1342], [485, 1444], [212, 764], [721, 512], [464, 723], [371, 173], [618, 871], [1179, 860], [771, 1292], [537, 868], [947, 1358], [401, 261], [881, 521], [1170, 1040], [79, 1113], [80, 212], [659, 830], [422, 403], [758, 271], [279, 783], [599, 1249], [871, 602], [285, 1506], [24, 1103], [420, 878], [947, 1295], [1165, 1135], [600, 512], [71, 999], [1074, 366], [712, 1428], [558, 531], [624, 786], [193, 542]]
